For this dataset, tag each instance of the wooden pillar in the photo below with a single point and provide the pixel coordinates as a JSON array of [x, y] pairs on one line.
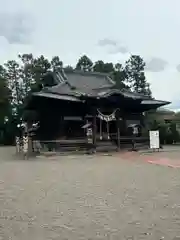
[[94, 127], [118, 130], [30, 140], [118, 135], [30, 145], [17, 145], [143, 124]]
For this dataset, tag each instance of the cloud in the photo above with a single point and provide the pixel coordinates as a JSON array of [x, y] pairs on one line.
[[115, 46], [16, 27], [107, 42], [178, 67], [119, 49], [156, 65]]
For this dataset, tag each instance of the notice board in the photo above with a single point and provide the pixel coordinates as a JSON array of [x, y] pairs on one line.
[[154, 139]]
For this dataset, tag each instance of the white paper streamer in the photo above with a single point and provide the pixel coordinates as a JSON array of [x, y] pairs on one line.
[[107, 118]]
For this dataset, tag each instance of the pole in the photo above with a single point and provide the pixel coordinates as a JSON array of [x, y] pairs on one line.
[[118, 134], [94, 128]]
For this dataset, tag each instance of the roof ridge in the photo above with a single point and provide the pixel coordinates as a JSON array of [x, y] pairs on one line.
[[91, 73]]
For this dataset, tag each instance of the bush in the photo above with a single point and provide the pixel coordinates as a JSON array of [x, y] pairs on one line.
[[168, 133]]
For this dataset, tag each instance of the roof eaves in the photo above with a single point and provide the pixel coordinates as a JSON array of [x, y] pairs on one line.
[[138, 95], [57, 96], [117, 91], [154, 101]]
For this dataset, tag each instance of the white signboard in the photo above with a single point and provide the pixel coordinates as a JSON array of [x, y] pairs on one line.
[[154, 139]]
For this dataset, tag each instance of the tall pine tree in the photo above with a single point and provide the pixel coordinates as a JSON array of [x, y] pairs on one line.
[[135, 76], [84, 63], [13, 76]]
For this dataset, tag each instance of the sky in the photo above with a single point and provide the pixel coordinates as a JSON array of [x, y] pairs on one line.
[[102, 29]]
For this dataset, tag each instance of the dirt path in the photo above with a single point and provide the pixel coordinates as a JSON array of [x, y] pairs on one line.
[[87, 198]]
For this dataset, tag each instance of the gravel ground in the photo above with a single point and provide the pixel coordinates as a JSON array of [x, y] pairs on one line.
[[84, 197]]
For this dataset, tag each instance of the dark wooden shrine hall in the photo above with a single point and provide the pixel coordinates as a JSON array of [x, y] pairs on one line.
[[72, 101]]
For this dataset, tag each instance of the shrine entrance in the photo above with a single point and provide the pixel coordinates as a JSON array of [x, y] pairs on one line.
[[108, 127]]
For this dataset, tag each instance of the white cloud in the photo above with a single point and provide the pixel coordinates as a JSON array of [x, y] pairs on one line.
[[156, 64], [16, 27], [107, 42], [178, 67], [114, 46]]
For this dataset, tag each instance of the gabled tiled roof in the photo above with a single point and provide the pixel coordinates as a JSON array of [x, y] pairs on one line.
[[87, 81], [71, 81], [78, 84]]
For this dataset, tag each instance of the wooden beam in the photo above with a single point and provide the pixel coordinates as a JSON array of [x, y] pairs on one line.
[[94, 127], [118, 133]]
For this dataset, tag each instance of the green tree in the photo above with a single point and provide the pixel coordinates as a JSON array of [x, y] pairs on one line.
[[116, 71], [163, 132], [27, 72], [10, 100], [84, 63], [135, 76], [173, 132], [119, 76], [68, 68], [13, 76], [32, 72], [5, 96], [56, 63], [40, 67], [100, 66]]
